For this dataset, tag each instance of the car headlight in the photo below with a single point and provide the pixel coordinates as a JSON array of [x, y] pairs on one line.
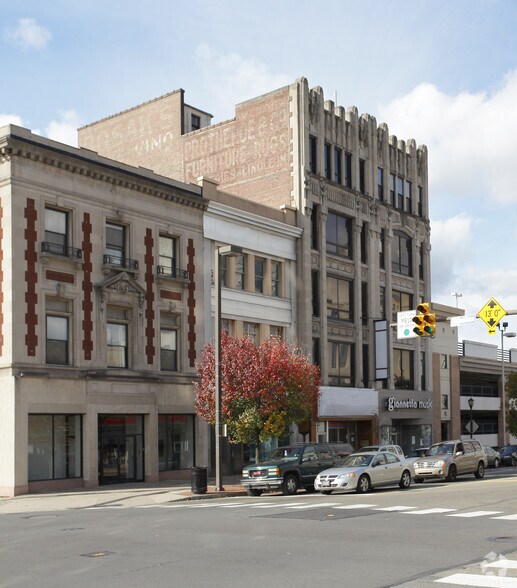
[[273, 472], [440, 464], [347, 475], [245, 474]]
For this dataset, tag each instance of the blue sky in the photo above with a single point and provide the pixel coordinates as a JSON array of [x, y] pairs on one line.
[[443, 72]]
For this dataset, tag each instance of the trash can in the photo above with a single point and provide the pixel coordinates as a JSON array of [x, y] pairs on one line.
[[199, 480]]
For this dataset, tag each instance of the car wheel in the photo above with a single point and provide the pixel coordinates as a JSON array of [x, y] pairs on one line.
[[480, 472], [253, 492], [363, 484], [405, 481], [419, 480], [290, 485], [326, 492], [496, 462], [452, 474]]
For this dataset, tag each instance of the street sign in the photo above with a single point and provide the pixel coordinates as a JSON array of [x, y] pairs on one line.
[[491, 314], [405, 324], [472, 427]]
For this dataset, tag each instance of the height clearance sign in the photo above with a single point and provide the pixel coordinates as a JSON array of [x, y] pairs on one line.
[[491, 314]]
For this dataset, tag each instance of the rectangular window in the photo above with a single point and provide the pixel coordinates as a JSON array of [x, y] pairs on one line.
[[167, 256], [380, 184], [227, 326], [366, 366], [348, 170], [362, 176], [401, 252], [175, 441], [392, 189], [276, 332], [315, 227], [364, 243], [408, 196], [400, 193], [339, 299], [339, 235], [382, 302], [444, 361], [315, 279], [327, 161], [56, 231], [57, 332], [422, 370], [223, 270], [401, 301], [421, 262], [55, 446], [313, 155], [364, 303], [338, 175], [382, 240], [260, 265], [403, 369], [250, 330], [169, 332], [240, 272], [117, 338], [316, 351], [195, 122], [115, 244], [275, 278], [340, 363], [419, 203]]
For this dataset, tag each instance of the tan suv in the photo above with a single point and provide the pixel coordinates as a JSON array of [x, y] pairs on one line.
[[449, 459]]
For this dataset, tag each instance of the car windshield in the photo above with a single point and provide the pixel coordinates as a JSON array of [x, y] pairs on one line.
[[286, 453], [508, 449], [356, 460], [441, 448]]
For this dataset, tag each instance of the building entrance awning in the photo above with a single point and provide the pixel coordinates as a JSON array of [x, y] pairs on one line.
[[348, 402]]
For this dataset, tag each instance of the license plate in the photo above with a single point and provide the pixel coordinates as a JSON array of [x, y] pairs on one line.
[[325, 483], [256, 473]]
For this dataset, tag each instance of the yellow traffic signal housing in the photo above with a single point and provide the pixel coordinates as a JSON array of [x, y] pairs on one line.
[[425, 320], [420, 325]]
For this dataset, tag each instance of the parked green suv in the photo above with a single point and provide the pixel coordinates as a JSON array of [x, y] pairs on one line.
[[292, 467]]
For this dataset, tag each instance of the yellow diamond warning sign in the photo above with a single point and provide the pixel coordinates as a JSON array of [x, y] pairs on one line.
[[491, 314]]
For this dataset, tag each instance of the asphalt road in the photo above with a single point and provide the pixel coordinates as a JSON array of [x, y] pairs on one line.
[[388, 537]]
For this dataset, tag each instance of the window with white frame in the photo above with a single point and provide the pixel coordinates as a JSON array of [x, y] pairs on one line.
[[56, 231], [251, 330], [275, 278], [57, 331], [168, 255], [117, 337], [260, 266], [169, 335], [240, 272]]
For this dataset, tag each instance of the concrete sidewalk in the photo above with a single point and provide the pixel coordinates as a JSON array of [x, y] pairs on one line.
[[118, 495]]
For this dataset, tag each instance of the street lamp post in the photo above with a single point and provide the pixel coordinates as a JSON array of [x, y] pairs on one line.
[[504, 334], [230, 251], [471, 406]]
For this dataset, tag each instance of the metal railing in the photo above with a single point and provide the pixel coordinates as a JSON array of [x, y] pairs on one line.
[[62, 250], [123, 262], [172, 272]]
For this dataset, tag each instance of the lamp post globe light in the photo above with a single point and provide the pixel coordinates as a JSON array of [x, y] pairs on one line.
[[471, 406], [230, 251], [502, 329]]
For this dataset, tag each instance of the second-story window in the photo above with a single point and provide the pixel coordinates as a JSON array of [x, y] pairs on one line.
[[275, 278], [251, 330], [401, 301], [240, 272], [169, 342], [57, 331], [115, 244], [117, 337], [339, 299], [56, 231], [168, 256], [260, 264], [339, 235]]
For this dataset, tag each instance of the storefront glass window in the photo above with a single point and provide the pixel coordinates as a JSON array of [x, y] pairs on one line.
[[175, 441]]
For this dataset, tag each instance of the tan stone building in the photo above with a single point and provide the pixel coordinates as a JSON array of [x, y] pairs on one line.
[[101, 297], [362, 198]]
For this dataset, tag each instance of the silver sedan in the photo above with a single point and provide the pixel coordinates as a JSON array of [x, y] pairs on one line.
[[366, 470]]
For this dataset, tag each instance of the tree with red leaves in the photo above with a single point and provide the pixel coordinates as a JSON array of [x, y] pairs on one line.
[[264, 388]]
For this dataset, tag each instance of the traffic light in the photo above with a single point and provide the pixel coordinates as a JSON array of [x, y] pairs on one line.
[[425, 320], [418, 319]]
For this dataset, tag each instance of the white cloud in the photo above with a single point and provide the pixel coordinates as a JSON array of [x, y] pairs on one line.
[[64, 130], [230, 74], [11, 119], [28, 34], [472, 137]]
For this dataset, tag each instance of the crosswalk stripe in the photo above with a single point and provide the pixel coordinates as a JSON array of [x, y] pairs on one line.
[[430, 511], [278, 505], [395, 508], [512, 517], [241, 504], [352, 506], [480, 580], [475, 513], [317, 505], [505, 564]]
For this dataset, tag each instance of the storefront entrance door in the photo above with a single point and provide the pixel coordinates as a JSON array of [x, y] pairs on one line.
[[120, 452]]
